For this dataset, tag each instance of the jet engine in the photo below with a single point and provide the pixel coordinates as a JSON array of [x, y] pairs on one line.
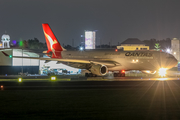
[[99, 69]]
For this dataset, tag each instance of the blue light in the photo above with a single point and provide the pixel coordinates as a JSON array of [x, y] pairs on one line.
[[81, 48]]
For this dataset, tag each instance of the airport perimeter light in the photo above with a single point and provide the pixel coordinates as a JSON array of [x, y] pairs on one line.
[[19, 79], [81, 48], [53, 78]]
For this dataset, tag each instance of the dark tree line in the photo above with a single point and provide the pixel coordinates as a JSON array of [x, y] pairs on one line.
[[30, 44], [36, 44], [165, 43]]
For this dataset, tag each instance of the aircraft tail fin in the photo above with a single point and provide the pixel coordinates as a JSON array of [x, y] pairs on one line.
[[52, 43]]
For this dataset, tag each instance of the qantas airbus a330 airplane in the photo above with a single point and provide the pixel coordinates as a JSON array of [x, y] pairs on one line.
[[99, 62]]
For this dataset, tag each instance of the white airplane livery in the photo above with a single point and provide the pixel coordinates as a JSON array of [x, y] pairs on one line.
[[99, 62]]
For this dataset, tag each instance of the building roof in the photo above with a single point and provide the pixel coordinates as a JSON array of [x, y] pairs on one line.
[[132, 41], [5, 37]]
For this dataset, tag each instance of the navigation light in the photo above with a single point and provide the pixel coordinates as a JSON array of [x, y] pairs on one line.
[[10, 56]]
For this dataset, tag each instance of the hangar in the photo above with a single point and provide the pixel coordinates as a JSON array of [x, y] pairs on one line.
[[15, 66]]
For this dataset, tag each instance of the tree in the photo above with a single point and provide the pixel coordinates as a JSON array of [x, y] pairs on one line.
[[157, 46], [35, 44]]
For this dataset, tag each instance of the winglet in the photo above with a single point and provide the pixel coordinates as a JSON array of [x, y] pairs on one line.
[[5, 54]]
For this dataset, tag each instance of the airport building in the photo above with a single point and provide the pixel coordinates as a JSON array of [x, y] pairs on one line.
[[15, 66], [5, 39], [175, 48], [18, 66], [90, 39], [133, 44]]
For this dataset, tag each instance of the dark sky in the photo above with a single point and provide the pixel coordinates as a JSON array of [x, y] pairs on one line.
[[115, 20]]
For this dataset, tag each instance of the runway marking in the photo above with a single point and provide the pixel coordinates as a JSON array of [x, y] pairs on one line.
[[33, 79]]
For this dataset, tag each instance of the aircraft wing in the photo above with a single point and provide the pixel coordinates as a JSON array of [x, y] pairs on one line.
[[81, 61]]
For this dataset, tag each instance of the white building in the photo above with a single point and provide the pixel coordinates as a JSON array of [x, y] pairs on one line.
[[175, 47], [5, 39], [90, 39]]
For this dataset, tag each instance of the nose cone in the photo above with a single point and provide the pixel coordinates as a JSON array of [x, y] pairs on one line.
[[169, 61], [174, 62], [164, 60]]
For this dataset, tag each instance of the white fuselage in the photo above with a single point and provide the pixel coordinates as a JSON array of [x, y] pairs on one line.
[[124, 60]]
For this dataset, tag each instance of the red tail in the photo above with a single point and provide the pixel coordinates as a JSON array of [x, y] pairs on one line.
[[52, 43]]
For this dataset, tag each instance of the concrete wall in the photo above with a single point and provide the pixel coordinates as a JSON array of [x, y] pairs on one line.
[[15, 70]]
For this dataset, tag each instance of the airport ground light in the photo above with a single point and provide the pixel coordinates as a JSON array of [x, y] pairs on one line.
[[19, 79], [53, 78]]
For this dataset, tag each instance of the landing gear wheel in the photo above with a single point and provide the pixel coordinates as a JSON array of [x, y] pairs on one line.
[[119, 74], [86, 74], [90, 75], [115, 75], [122, 74]]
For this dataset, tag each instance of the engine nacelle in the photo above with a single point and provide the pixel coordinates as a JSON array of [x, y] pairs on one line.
[[99, 69]]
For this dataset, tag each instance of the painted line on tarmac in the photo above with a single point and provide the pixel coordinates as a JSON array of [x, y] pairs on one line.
[[34, 79]]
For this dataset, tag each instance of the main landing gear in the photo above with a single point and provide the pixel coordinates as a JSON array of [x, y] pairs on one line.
[[90, 75], [120, 74]]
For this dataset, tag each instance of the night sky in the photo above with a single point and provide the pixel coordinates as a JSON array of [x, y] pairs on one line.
[[114, 20]]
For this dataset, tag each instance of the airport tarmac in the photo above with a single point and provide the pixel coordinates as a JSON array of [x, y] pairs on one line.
[[13, 83], [129, 98]]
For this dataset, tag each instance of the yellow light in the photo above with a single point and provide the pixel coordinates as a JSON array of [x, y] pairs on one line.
[[162, 72], [20, 79], [1, 86], [137, 60], [53, 78]]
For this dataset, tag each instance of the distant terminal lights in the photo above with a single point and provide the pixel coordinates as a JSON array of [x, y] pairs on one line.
[[90, 39]]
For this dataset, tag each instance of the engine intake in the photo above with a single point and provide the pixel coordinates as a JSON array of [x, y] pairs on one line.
[[99, 70]]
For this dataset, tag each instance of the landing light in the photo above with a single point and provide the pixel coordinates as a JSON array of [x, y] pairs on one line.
[[162, 72]]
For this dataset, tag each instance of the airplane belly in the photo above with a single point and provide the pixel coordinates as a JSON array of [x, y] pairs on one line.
[[132, 65]]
